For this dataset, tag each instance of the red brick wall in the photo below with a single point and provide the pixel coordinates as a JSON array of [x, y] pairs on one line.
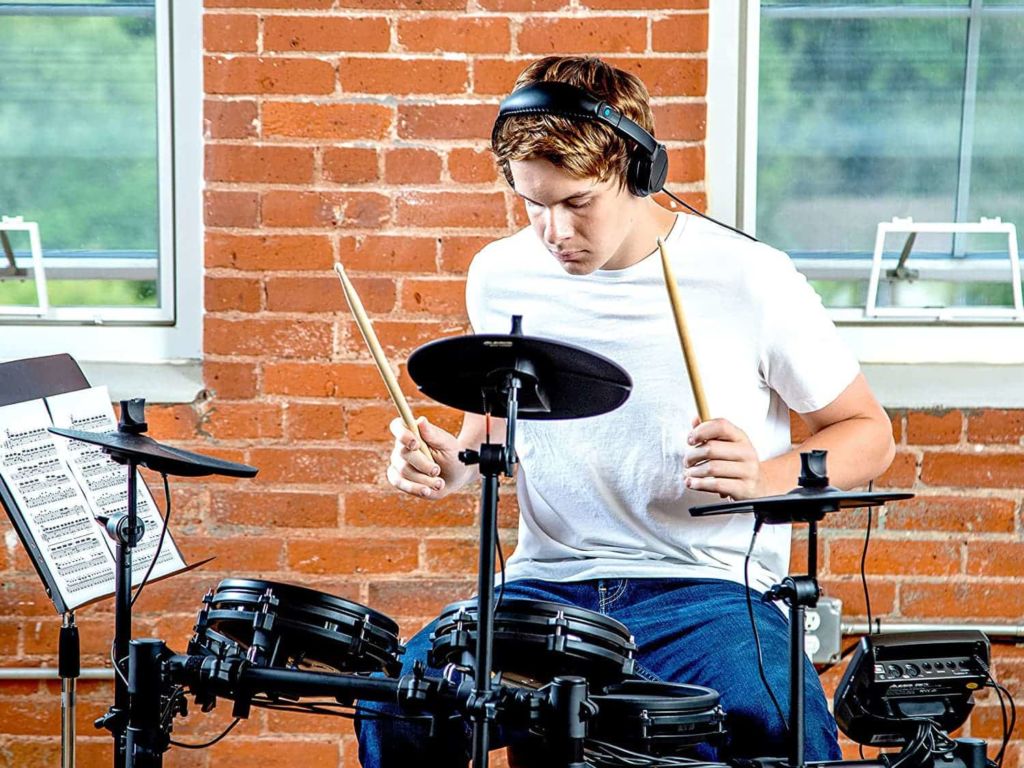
[[339, 130]]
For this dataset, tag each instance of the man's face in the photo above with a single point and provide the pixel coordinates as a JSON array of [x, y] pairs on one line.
[[582, 222]]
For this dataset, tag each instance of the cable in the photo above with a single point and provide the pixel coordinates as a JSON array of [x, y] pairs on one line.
[[1006, 730], [332, 708], [863, 561], [167, 716], [117, 667], [604, 753], [1000, 690], [753, 625], [1007, 727], [225, 732], [322, 708], [160, 544], [946, 746], [911, 753], [501, 559], [1013, 720], [690, 208]]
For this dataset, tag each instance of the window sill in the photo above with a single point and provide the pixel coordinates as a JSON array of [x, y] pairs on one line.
[[179, 381], [946, 385]]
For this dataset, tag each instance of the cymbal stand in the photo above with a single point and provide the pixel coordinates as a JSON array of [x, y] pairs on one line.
[[799, 593], [146, 737], [494, 460], [126, 529]]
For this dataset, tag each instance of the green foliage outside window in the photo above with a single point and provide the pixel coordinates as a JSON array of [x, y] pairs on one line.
[[78, 144]]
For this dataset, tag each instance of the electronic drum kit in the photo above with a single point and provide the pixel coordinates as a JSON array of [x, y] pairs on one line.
[[557, 674]]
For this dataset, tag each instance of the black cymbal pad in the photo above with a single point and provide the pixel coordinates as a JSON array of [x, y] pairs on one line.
[[558, 381], [160, 458]]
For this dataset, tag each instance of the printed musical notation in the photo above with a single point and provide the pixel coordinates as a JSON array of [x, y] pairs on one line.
[[110, 499], [48, 497], [62, 530], [108, 480], [95, 467], [61, 486], [31, 453], [93, 422], [55, 511], [16, 438], [39, 481], [80, 565], [88, 583], [71, 548], [53, 465]]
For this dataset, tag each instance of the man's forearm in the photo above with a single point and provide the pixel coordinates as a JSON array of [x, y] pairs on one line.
[[859, 450]]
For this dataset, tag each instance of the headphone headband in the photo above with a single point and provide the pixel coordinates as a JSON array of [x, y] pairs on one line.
[[648, 167]]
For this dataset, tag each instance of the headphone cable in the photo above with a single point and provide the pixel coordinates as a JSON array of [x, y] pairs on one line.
[[690, 208]]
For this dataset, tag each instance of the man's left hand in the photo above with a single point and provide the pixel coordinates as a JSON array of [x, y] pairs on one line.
[[722, 460]]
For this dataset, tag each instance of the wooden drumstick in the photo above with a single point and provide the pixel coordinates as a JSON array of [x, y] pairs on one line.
[[689, 357], [366, 328]]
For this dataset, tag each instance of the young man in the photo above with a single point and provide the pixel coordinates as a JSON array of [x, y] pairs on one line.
[[604, 522]]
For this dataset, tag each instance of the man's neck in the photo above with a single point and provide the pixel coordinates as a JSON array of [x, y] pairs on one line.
[[652, 222]]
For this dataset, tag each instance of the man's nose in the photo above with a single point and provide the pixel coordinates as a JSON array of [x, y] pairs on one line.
[[557, 225]]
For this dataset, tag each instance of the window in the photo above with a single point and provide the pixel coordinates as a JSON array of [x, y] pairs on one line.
[[100, 152], [828, 118]]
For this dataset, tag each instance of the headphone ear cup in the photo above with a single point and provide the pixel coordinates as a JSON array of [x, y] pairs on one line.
[[646, 173], [638, 174], [658, 173]]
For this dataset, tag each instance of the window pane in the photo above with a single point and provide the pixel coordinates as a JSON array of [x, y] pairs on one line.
[[933, 278], [842, 293], [78, 146], [997, 169], [859, 121]]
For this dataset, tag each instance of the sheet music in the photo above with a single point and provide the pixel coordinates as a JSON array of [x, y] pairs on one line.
[[104, 481], [57, 513]]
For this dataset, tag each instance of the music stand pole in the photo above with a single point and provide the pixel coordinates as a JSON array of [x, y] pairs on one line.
[[69, 667]]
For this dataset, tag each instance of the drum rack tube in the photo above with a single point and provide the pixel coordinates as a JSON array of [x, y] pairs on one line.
[[994, 632], [228, 679]]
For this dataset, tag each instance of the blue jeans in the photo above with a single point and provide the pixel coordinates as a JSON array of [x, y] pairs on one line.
[[693, 631]]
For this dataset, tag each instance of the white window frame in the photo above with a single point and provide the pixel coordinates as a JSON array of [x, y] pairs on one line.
[[125, 346], [910, 363]]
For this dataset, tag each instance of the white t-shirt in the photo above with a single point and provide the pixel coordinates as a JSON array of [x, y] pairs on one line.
[[604, 497]]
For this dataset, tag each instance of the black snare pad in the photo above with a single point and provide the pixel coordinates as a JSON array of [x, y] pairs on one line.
[[655, 718], [535, 641], [286, 626]]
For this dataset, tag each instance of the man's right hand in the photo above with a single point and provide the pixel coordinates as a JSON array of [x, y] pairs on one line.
[[412, 472]]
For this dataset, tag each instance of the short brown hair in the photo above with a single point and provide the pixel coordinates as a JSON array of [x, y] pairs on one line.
[[584, 148]]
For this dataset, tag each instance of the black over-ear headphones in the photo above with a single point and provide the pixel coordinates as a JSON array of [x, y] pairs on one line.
[[648, 160]]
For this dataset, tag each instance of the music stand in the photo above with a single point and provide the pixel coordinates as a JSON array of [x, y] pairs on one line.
[[32, 379]]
